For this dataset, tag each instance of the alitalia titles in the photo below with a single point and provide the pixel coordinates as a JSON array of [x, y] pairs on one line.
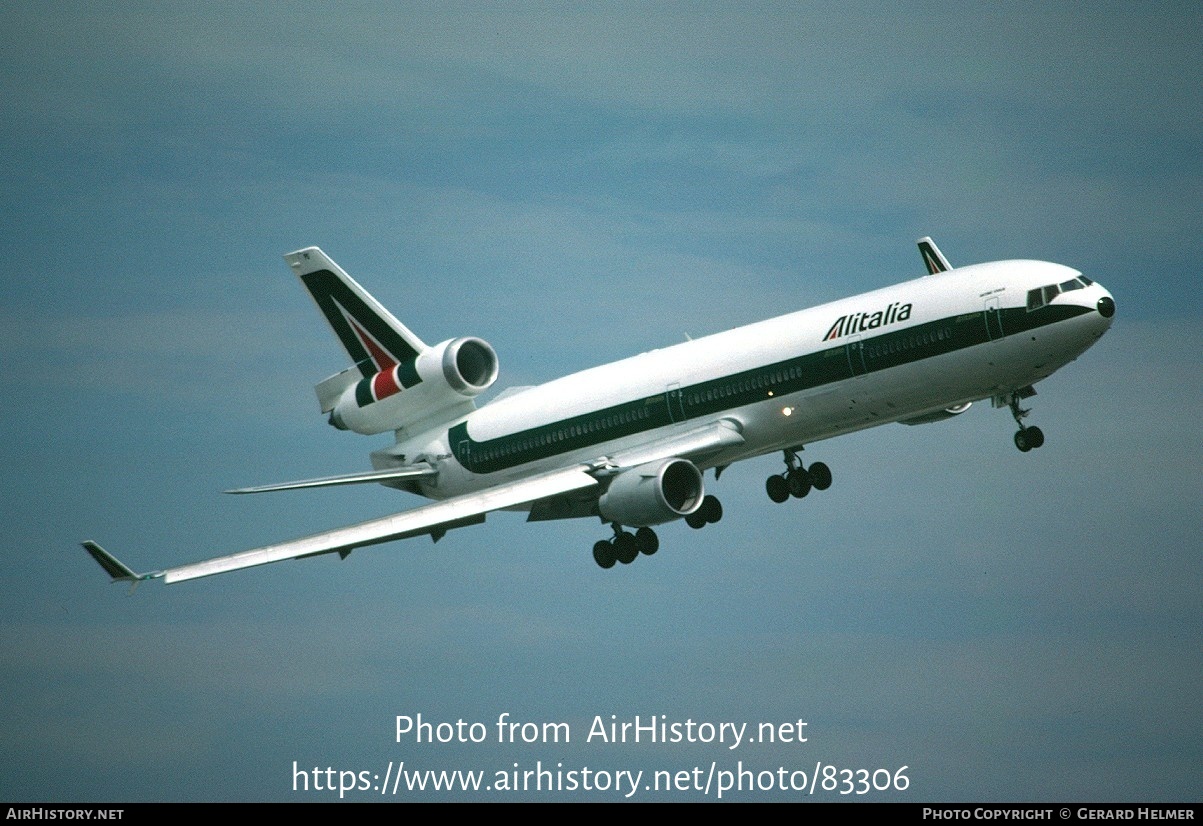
[[860, 322]]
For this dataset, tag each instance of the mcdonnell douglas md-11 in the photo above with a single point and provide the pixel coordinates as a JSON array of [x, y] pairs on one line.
[[628, 442]]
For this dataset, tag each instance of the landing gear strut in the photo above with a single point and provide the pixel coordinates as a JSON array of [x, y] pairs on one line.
[[797, 480], [1026, 438]]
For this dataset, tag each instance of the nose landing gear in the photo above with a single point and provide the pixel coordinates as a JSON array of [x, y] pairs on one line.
[[1026, 438], [1029, 437]]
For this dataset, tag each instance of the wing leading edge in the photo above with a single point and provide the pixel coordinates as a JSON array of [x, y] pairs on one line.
[[409, 472], [432, 519]]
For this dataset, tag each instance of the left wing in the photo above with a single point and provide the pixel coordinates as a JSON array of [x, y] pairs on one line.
[[438, 517], [435, 519]]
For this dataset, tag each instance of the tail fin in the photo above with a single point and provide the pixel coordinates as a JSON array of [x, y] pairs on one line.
[[932, 257], [375, 340]]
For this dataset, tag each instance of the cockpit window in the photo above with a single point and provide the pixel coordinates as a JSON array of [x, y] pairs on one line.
[[1040, 296]]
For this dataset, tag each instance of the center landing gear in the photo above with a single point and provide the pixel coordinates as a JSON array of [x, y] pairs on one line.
[[1026, 438], [797, 480], [625, 546]]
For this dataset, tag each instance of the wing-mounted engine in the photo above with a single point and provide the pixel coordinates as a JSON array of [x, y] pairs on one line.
[[440, 383], [652, 494]]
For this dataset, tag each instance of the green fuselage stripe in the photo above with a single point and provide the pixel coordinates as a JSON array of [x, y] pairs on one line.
[[805, 372]]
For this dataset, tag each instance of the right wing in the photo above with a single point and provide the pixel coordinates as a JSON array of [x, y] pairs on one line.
[[434, 519], [416, 471]]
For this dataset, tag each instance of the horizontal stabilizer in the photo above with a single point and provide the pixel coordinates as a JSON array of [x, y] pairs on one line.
[[408, 472], [330, 390]]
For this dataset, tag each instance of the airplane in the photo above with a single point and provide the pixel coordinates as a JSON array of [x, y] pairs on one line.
[[628, 442]]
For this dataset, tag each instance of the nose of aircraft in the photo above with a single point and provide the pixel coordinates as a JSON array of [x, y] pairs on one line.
[[1105, 305]]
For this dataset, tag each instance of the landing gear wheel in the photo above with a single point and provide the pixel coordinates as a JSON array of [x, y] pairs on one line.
[[711, 510], [1028, 438], [626, 547], [647, 541], [777, 488], [696, 520], [820, 476], [799, 483], [603, 554]]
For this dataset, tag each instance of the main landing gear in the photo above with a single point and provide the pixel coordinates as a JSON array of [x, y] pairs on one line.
[[1026, 438], [626, 547], [797, 480], [710, 512]]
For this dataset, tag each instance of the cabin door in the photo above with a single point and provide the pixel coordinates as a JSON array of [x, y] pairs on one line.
[[856, 356], [994, 330], [676, 402]]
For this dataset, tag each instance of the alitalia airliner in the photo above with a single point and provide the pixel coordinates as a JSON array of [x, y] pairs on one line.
[[628, 443]]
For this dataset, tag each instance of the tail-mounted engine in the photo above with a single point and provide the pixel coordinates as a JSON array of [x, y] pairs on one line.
[[440, 381], [652, 494]]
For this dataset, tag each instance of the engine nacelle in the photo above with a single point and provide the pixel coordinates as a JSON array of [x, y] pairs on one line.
[[438, 381], [939, 415], [652, 494]]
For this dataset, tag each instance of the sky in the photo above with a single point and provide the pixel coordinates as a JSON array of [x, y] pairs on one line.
[[576, 183]]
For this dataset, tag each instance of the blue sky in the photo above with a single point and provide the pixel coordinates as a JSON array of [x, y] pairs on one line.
[[576, 185]]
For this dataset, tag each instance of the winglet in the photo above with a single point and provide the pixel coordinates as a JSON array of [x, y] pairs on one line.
[[114, 567], [932, 257]]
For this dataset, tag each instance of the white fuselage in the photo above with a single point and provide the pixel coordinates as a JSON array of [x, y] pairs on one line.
[[627, 442], [889, 355]]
